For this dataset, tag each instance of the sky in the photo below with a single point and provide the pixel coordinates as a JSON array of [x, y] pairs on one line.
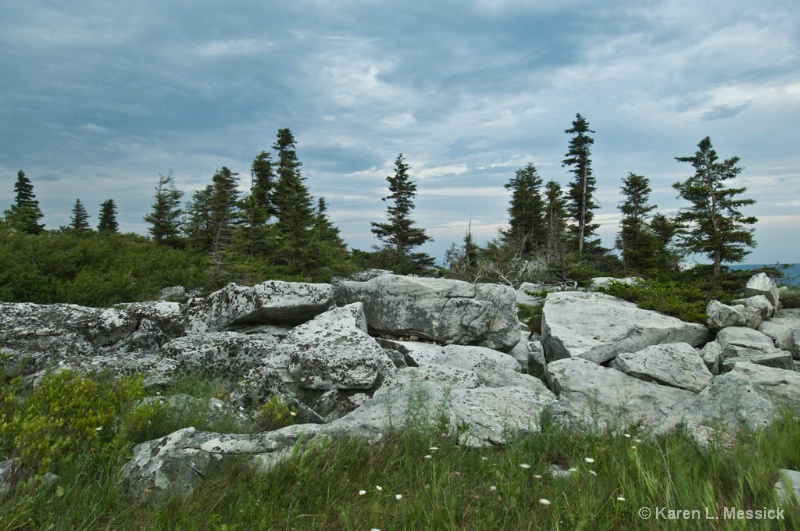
[[99, 98]]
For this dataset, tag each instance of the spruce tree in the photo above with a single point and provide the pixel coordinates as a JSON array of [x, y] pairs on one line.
[[24, 214], [582, 188], [165, 215], [80, 218], [108, 217], [399, 235], [714, 225], [556, 223], [257, 207], [636, 240], [526, 230]]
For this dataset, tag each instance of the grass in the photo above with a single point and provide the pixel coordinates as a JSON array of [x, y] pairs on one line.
[[421, 479]]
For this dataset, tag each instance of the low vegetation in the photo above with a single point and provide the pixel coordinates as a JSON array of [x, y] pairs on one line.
[[419, 478]]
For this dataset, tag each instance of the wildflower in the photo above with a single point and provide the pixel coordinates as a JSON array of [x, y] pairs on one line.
[[484, 458], [429, 456], [362, 492], [99, 428], [537, 476], [433, 448], [637, 441], [526, 466], [592, 472], [544, 501], [398, 497], [457, 474], [620, 498], [588, 459], [493, 488], [572, 470], [627, 435], [378, 487], [633, 448]]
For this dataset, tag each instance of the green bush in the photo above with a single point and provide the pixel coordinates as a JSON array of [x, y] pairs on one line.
[[273, 415], [69, 412]]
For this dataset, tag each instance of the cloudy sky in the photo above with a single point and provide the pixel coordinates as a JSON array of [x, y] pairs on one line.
[[98, 98]]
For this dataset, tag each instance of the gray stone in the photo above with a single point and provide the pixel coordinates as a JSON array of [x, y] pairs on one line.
[[761, 284], [673, 364], [225, 353], [537, 364], [723, 315], [749, 394], [521, 351], [334, 351], [444, 311], [597, 327], [740, 341], [596, 396], [712, 356], [760, 303], [787, 488], [273, 302]]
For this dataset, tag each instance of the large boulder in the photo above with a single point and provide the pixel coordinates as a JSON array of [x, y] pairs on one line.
[[444, 311], [597, 327], [596, 396], [334, 351], [272, 302], [749, 394], [761, 284], [673, 364], [784, 330]]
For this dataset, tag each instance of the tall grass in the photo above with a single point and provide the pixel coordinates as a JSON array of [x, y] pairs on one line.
[[420, 478]]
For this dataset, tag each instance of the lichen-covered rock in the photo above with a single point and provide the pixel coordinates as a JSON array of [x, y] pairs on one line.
[[225, 353], [272, 302], [597, 327], [334, 351], [444, 311]]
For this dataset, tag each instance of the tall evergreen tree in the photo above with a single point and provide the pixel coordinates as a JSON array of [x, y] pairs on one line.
[[165, 216], [399, 235], [583, 185], [636, 240], [24, 214], [556, 222], [257, 207], [526, 230], [714, 225], [79, 219], [325, 231], [293, 207], [199, 227], [108, 217]]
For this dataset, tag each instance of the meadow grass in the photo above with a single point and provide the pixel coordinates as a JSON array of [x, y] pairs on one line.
[[420, 478]]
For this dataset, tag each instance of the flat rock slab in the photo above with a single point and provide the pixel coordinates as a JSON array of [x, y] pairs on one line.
[[597, 327], [269, 303], [592, 395], [225, 353], [440, 310], [673, 364]]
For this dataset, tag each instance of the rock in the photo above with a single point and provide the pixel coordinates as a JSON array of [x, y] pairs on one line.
[[761, 284], [446, 377], [520, 352], [169, 317], [524, 294], [537, 365], [723, 315], [597, 327], [787, 488], [712, 356], [335, 404], [760, 303], [172, 293], [596, 396], [602, 282], [740, 341], [175, 464], [749, 394], [225, 353], [272, 302], [444, 311], [781, 329], [334, 351], [674, 364]]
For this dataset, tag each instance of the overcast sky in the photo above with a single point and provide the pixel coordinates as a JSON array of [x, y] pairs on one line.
[[98, 98]]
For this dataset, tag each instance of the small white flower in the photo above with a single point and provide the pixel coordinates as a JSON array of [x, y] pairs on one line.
[[398, 497], [493, 488], [378, 487], [544, 501], [526, 466], [484, 458], [592, 472], [362, 492], [637, 441], [620, 498], [429, 456], [573, 470], [627, 435], [588, 459], [433, 448], [537, 476]]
